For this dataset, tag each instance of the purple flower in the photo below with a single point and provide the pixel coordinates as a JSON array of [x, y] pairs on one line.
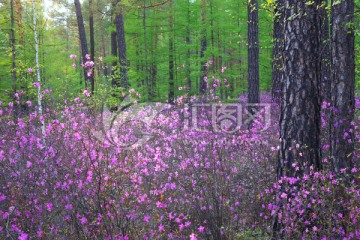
[[36, 84], [193, 236], [30, 70], [161, 228], [146, 218], [23, 236]]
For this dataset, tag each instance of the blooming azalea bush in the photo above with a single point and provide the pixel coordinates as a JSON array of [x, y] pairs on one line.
[[319, 205], [143, 173], [176, 184]]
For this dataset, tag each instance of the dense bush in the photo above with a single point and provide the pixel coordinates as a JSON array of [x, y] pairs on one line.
[[177, 183]]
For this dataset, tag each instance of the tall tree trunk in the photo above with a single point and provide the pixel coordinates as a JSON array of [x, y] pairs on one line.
[[145, 68], [342, 84], [203, 46], [153, 65], [120, 34], [300, 108], [325, 54], [212, 35], [171, 57], [38, 73], [114, 52], [92, 43], [13, 43], [253, 55], [278, 38], [82, 36], [188, 42]]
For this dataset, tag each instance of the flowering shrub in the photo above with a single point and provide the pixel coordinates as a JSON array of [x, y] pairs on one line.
[[179, 183], [318, 206]]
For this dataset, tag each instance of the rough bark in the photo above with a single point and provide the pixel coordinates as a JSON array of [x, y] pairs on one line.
[[13, 43], [278, 39], [92, 43], [300, 110], [120, 34], [203, 46], [82, 36], [253, 56], [153, 65], [114, 51], [145, 68], [342, 84], [325, 54]]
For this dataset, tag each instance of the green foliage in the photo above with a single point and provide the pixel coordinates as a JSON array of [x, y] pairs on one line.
[[147, 42]]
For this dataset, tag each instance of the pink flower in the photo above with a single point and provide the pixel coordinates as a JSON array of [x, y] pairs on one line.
[[28, 103], [23, 236], [161, 228], [201, 229], [30, 70], [89, 64], [87, 56], [83, 220], [72, 56], [180, 88], [193, 236], [86, 93], [89, 74], [36, 84], [146, 218], [68, 207], [28, 164], [74, 65], [49, 206]]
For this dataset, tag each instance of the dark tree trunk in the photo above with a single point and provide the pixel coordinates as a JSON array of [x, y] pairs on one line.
[[153, 65], [120, 33], [212, 35], [82, 36], [278, 38], [325, 54], [203, 46], [253, 56], [13, 43], [300, 110], [145, 68], [342, 84], [105, 66], [171, 58], [92, 43], [188, 70], [114, 82]]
